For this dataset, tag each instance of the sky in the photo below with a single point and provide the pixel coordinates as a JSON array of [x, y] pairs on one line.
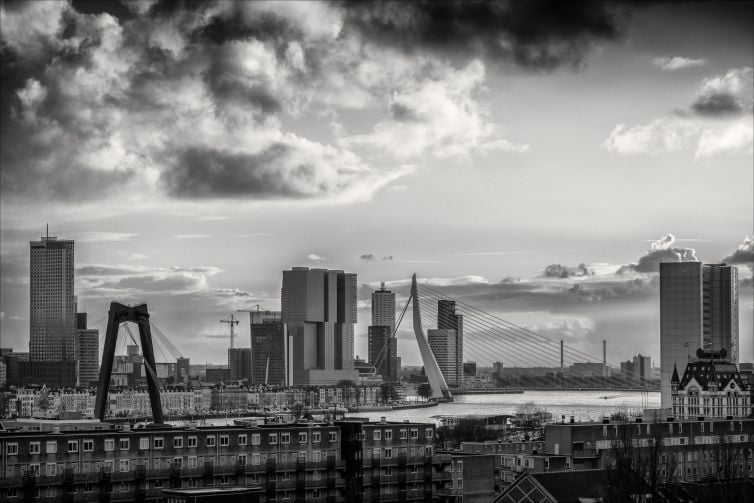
[[534, 159]]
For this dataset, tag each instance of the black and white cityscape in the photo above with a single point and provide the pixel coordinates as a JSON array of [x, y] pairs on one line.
[[388, 251]]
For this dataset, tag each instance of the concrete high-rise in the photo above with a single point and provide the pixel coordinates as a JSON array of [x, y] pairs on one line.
[[698, 309], [319, 307], [239, 364], [447, 319], [269, 349], [383, 352], [443, 343], [52, 313], [87, 351], [383, 307]]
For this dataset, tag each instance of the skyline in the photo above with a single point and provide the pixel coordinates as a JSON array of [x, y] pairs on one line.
[[193, 155]]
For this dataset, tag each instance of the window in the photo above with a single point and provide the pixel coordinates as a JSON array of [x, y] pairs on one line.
[[159, 442], [242, 459], [302, 456], [242, 439], [389, 471], [333, 436], [255, 458], [109, 444], [107, 465], [123, 465], [414, 469], [377, 435], [388, 434], [88, 445], [376, 453], [414, 433], [12, 492], [192, 442], [403, 434], [73, 446], [302, 438], [144, 443], [316, 456], [192, 462], [51, 447], [286, 495], [51, 469], [224, 440], [273, 438], [178, 462], [88, 487], [428, 433], [34, 447], [210, 440], [124, 444], [316, 437], [460, 483], [388, 453], [459, 466], [178, 442], [428, 450], [285, 438]]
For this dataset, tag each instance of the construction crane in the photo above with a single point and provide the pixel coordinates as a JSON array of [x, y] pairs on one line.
[[232, 322]]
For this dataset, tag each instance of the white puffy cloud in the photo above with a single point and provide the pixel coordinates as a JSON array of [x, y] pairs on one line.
[[677, 62], [719, 122]]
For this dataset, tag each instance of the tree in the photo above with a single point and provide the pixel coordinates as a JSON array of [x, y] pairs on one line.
[[388, 392], [298, 410], [424, 390]]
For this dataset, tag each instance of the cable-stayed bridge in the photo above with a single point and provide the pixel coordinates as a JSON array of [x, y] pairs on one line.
[[488, 338]]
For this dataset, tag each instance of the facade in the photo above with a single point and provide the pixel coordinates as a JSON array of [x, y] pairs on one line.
[[443, 343], [447, 319], [269, 349], [698, 309], [383, 352], [319, 307], [52, 310], [87, 351], [239, 363], [383, 307], [711, 387], [346, 461], [183, 366], [640, 367], [472, 478]]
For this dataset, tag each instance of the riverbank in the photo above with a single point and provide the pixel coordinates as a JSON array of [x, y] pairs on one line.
[[386, 408]]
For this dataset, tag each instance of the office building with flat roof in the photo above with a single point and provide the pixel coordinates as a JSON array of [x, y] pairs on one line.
[[319, 308], [698, 309], [383, 307], [269, 349]]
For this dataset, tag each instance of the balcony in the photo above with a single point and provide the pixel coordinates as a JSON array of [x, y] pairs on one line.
[[585, 454]]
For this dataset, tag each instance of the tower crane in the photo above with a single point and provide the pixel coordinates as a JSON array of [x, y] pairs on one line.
[[232, 322]]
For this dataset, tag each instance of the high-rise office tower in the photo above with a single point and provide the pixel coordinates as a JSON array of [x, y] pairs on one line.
[[87, 351], [52, 313], [443, 343], [698, 309], [183, 368], [239, 363], [269, 349], [383, 352], [319, 307], [447, 319], [383, 307]]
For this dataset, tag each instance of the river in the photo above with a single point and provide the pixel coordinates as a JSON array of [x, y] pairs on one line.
[[583, 405]]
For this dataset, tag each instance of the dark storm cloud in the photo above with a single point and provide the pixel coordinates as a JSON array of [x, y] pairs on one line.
[[537, 34], [743, 255], [206, 173], [368, 257], [717, 105]]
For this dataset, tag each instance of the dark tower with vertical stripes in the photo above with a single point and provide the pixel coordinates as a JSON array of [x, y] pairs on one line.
[[139, 315]]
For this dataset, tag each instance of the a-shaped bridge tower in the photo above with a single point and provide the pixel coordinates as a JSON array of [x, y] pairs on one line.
[[122, 314]]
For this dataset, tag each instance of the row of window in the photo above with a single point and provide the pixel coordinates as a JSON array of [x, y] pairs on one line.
[[388, 434], [124, 444]]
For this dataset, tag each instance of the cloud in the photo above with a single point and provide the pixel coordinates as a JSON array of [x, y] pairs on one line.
[[100, 237], [368, 257], [315, 258], [560, 271], [534, 34], [437, 116], [192, 236], [388, 257], [719, 121], [677, 62], [661, 250], [744, 254]]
